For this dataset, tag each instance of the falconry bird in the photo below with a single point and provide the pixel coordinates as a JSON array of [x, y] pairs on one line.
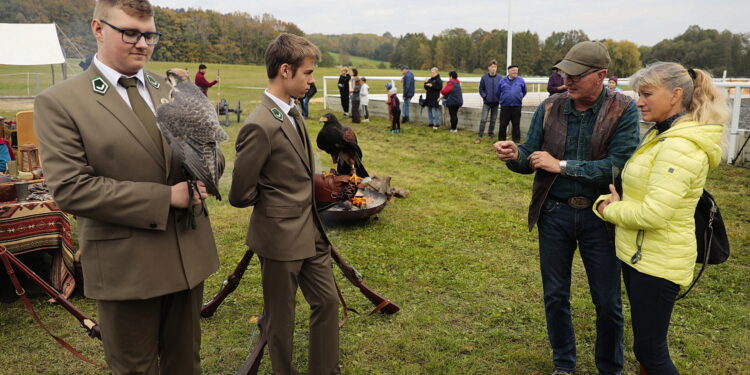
[[189, 123], [341, 143]]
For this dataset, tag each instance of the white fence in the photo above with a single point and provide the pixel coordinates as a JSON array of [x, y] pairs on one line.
[[536, 83]]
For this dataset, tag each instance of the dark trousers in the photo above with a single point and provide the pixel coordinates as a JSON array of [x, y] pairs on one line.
[[512, 115], [651, 302], [365, 112], [315, 277], [355, 112], [344, 101], [562, 229], [453, 111], [160, 335], [396, 118]]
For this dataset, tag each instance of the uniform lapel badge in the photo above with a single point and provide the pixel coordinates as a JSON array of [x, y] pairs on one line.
[[152, 81], [99, 85], [276, 113]]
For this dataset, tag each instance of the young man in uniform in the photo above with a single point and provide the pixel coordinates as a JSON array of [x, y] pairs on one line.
[[273, 172], [106, 162]]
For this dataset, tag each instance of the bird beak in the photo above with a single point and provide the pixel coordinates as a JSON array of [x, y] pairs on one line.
[[323, 119]]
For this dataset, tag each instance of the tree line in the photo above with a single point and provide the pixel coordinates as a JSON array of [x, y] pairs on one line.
[[196, 35]]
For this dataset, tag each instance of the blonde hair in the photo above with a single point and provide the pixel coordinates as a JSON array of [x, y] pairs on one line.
[[288, 49], [134, 8], [704, 102]]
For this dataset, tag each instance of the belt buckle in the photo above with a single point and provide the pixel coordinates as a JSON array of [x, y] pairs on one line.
[[579, 202]]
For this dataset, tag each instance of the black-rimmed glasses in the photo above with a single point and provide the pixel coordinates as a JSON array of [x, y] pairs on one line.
[[578, 77], [132, 36]]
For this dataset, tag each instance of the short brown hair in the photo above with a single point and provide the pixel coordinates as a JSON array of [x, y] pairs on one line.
[[135, 8], [288, 49], [492, 62]]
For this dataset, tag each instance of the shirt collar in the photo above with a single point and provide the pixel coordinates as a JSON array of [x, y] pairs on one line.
[[284, 107], [112, 75], [594, 108]]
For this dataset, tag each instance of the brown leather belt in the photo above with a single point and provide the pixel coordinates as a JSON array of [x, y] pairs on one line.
[[578, 203]]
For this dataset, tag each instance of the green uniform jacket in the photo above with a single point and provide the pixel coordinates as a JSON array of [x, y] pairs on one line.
[[102, 166]]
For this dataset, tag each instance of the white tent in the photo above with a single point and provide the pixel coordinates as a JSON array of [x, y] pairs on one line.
[[30, 44]]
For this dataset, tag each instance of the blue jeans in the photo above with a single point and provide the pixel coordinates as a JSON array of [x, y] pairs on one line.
[[562, 229], [491, 111], [405, 111], [433, 116], [305, 104]]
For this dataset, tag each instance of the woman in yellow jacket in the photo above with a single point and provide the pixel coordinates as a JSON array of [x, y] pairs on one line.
[[662, 182]]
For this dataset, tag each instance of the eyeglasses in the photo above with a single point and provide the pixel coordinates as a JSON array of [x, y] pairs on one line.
[[132, 36], [578, 77]]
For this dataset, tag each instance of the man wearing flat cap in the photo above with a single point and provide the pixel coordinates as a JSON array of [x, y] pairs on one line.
[[577, 142]]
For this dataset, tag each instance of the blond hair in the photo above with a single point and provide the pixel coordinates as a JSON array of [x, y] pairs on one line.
[[288, 49], [704, 102], [134, 8]]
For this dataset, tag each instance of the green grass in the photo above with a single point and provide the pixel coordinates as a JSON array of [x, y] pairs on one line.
[[358, 61], [455, 255]]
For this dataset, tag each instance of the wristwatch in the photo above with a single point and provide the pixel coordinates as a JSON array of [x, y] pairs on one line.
[[563, 166]]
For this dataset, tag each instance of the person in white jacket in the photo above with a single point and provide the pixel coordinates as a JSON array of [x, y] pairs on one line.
[[364, 98]]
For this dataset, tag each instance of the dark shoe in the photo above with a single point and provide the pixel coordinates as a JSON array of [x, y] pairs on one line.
[[405, 119]]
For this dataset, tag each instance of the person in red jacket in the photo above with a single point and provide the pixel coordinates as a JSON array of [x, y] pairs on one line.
[[201, 81]]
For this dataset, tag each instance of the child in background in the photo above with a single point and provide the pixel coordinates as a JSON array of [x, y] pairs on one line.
[[394, 108], [364, 91]]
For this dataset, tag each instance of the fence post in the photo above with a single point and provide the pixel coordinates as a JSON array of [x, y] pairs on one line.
[[734, 129]]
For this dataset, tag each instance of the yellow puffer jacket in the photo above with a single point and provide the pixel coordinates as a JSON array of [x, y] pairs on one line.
[[662, 183]]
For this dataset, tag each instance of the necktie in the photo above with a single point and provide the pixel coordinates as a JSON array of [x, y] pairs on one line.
[[142, 110], [300, 123]]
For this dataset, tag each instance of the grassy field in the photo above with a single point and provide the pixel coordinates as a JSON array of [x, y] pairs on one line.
[[358, 61], [455, 255]]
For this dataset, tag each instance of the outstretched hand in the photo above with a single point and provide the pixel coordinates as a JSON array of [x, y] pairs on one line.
[[614, 198]]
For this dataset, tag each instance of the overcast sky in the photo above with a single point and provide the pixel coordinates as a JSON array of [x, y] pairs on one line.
[[644, 22]]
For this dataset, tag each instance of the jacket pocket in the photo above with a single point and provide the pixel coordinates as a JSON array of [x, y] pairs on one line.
[[284, 211], [106, 232]]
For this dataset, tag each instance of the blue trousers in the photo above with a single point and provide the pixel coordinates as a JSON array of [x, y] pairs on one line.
[[433, 116], [405, 111], [488, 110], [562, 229]]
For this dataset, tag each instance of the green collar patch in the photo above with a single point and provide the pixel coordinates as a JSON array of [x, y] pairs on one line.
[[99, 85], [276, 113], [152, 81]]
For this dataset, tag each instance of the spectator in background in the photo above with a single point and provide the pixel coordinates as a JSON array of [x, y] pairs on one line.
[[454, 98], [343, 85], [364, 99], [433, 85], [511, 91], [202, 82], [612, 84], [408, 86], [488, 91], [556, 84], [356, 86], [305, 102], [394, 112]]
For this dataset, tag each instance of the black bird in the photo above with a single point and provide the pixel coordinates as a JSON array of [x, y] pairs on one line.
[[341, 143]]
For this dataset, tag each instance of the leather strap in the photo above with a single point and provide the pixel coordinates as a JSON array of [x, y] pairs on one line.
[[4, 254]]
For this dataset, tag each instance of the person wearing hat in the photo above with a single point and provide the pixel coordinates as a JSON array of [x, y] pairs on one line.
[[556, 85], [394, 112], [408, 85], [202, 82], [577, 144]]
